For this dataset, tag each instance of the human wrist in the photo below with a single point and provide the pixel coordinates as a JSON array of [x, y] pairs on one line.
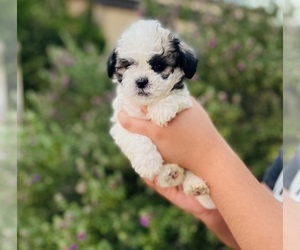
[[214, 221], [206, 153]]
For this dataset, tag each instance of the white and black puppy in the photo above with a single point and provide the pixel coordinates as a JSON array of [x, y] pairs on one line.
[[149, 65]]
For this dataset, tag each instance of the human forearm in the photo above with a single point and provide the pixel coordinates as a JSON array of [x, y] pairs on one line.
[[252, 214], [218, 226], [211, 218], [250, 211]]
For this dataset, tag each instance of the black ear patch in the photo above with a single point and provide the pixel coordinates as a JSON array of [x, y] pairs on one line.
[[111, 64], [186, 58], [189, 64]]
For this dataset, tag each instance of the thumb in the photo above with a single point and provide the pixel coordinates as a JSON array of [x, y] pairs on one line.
[[132, 124]]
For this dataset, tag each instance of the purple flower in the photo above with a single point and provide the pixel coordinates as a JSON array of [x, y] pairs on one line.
[[66, 81], [238, 14], [68, 60], [144, 221], [252, 57], [223, 96], [212, 43], [241, 66], [228, 56], [53, 75], [141, 14], [195, 35], [73, 247], [97, 101], [36, 177], [237, 47], [81, 236], [208, 19]]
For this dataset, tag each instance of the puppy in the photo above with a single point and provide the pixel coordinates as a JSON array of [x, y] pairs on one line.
[[149, 65]]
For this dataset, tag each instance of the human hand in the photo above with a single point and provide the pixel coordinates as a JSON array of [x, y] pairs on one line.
[[189, 140], [210, 217], [185, 202]]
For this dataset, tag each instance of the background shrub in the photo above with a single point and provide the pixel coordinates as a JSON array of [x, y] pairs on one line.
[[77, 191], [41, 23]]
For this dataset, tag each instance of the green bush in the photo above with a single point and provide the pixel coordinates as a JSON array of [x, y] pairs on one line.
[[77, 191], [42, 23], [8, 185], [75, 187]]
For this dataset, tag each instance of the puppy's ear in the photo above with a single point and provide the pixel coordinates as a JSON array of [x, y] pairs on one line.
[[111, 64], [186, 59]]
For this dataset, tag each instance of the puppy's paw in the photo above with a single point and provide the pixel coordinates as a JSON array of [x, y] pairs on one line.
[[163, 112], [170, 175], [197, 189], [161, 118], [193, 185]]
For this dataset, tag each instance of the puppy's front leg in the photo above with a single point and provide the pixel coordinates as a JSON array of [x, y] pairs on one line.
[[165, 110], [139, 149]]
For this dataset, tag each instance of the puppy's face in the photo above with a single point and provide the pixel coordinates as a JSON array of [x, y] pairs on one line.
[[149, 62]]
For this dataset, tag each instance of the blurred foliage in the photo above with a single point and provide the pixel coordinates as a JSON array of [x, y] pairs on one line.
[[77, 191], [75, 188], [41, 23], [8, 184]]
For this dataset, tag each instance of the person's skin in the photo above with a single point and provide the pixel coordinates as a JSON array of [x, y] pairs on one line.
[[250, 211], [211, 218]]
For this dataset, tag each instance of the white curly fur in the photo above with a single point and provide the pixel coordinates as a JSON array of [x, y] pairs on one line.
[[138, 45]]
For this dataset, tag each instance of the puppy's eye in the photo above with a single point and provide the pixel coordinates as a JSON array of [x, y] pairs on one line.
[[159, 67], [125, 64]]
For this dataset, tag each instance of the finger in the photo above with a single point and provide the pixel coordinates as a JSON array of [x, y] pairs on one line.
[[153, 184], [168, 192], [133, 124], [149, 182], [144, 109]]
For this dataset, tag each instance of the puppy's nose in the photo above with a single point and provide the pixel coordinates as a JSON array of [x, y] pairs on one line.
[[142, 82]]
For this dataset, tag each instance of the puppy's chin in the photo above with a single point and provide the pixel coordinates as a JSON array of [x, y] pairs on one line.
[[142, 98], [139, 97]]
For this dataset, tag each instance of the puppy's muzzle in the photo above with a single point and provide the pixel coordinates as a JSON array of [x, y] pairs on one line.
[[142, 82]]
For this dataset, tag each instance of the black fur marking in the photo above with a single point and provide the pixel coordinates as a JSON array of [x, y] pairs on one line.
[[189, 64], [185, 59], [176, 56], [179, 85], [124, 63], [121, 66], [111, 64], [158, 63], [119, 77], [165, 76]]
